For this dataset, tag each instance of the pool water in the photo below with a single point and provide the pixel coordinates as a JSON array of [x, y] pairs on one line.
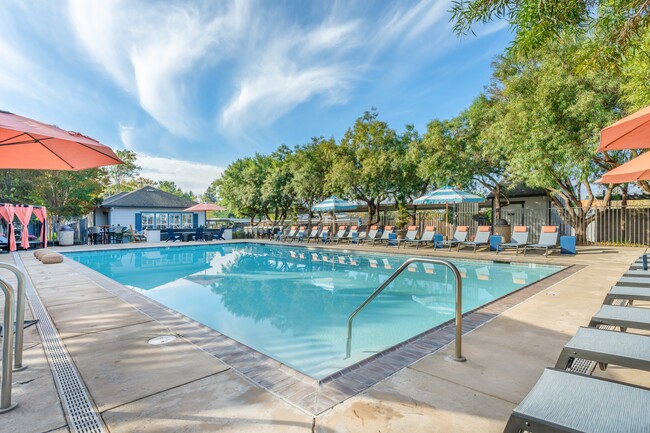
[[292, 303]]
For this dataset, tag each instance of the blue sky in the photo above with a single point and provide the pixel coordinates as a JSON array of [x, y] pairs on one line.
[[192, 85]]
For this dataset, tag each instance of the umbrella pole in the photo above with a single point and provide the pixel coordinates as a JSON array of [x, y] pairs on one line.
[[447, 221]]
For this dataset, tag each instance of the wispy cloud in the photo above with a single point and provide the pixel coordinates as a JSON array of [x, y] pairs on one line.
[[189, 176]]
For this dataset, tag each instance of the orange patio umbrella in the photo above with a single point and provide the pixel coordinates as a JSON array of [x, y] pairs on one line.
[[631, 171], [631, 132], [204, 207], [30, 144]]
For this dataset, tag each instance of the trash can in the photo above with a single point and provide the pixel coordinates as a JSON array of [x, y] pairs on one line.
[[495, 242], [568, 245], [65, 236], [502, 228]]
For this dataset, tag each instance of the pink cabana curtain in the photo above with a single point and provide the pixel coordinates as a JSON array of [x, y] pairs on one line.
[[41, 214], [24, 213], [7, 214]]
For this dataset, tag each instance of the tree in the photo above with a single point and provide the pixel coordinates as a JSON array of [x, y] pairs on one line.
[[548, 126], [240, 186], [366, 165], [411, 184], [121, 176], [171, 187], [277, 193], [614, 28], [310, 165]]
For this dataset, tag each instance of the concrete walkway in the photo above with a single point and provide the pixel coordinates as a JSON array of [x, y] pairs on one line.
[[179, 388]]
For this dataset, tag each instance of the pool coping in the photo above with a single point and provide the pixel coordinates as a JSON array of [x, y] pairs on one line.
[[309, 394]]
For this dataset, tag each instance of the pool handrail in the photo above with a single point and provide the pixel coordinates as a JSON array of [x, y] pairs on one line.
[[7, 349], [20, 315], [459, 302]]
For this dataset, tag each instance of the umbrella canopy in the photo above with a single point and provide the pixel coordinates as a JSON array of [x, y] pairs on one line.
[[333, 204], [204, 207], [448, 195], [29, 144], [631, 171], [631, 132]]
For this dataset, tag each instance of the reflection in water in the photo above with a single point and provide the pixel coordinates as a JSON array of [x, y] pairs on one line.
[[293, 303]]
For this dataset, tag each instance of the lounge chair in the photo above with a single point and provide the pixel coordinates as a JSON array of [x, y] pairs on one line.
[[547, 240], [607, 347], [411, 235], [314, 233], [370, 236], [562, 401], [627, 293], [518, 240], [340, 234], [324, 234], [384, 235], [289, 235], [481, 239], [299, 235], [426, 238], [171, 236], [623, 317], [459, 236], [352, 236]]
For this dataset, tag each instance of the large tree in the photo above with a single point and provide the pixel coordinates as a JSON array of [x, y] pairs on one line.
[[121, 176], [366, 166], [240, 186], [278, 195]]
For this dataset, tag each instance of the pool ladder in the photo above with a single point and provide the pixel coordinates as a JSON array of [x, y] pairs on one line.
[[459, 303]]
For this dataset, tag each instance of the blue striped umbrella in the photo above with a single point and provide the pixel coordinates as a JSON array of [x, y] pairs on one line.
[[333, 204], [448, 195]]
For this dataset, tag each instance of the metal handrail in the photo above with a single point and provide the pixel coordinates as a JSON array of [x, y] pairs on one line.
[[7, 350], [20, 315], [459, 303]]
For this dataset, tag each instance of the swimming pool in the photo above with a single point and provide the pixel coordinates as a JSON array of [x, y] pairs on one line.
[[292, 303]]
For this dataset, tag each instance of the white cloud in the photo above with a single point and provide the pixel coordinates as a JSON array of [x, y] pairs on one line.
[[188, 175]]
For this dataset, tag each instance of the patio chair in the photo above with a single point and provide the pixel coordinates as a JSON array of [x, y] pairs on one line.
[[623, 317], [218, 235], [460, 235], [324, 234], [562, 401], [198, 235], [519, 239], [384, 235], [547, 240], [481, 239], [426, 238], [411, 235], [627, 293], [371, 235], [607, 347], [285, 236], [340, 234], [171, 236], [314, 233], [120, 232]]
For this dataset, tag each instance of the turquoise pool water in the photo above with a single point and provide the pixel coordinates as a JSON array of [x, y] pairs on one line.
[[292, 303]]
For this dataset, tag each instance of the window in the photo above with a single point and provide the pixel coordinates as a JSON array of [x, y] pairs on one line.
[[187, 220], [175, 220], [161, 221], [147, 221]]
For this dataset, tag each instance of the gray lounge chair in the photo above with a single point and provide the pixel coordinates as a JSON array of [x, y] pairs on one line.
[[411, 235], [459, 236], [607, 347], [314, 233], [622, 316], [633, 281], [547, 240], [340, 234], [627, 293], [519, 239], [481, 239], [352, 236], [637, 273], [562, 401], [284, 236], [384, 235], [299, 236], [426, 238], [370, 236]]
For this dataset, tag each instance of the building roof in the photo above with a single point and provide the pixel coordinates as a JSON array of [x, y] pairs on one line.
[[147, 197], [520, 191]]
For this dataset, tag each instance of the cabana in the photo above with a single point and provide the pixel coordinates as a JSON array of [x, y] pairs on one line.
[[9, 213]]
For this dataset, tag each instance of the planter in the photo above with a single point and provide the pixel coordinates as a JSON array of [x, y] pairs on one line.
[[401, 234]]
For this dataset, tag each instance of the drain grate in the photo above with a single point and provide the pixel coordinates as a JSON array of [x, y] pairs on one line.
[[80, 411]]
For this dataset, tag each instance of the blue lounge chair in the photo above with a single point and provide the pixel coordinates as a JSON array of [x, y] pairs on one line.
[[547, 239], [171, 236], [518, 240], [218, 235], [481, 239]]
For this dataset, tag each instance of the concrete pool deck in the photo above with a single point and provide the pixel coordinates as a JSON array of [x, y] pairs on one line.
[[179, 387]]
